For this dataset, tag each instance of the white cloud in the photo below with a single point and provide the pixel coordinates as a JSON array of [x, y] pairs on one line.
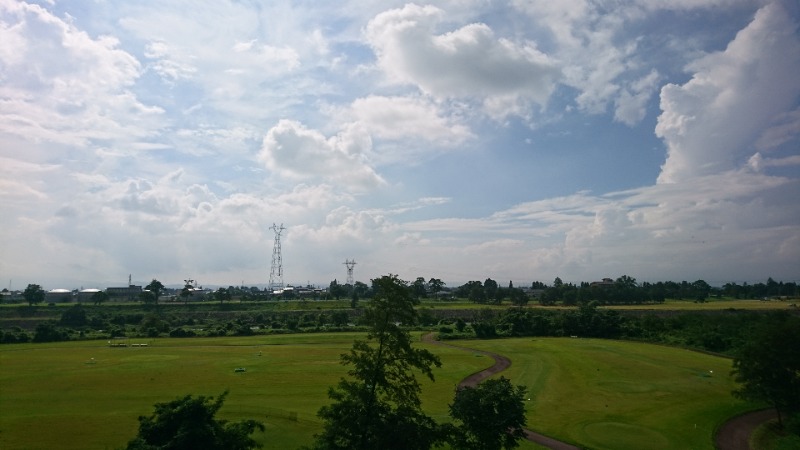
[[631, 105], [296, 152], [712, 122], [469, 62], [61, 85], [403, 118]]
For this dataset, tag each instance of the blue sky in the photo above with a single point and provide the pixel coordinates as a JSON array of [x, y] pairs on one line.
[[460, 140]]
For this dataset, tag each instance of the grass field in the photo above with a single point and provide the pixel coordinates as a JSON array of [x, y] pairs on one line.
[[620, 395], [599, 394], [86, 395]]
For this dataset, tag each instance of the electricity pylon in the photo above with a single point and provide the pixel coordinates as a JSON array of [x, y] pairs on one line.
[[350, 264], [276, 271]]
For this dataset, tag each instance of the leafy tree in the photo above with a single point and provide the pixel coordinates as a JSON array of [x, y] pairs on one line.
[[48, 332], [100, 297], [336, 289], [189, 423], [361, 289], [490, 416], [768, 365], [435, 286], [379, 407], [33, 294], [490, 289], [517, 296], [419, 288], [74, 316], [223, 295], [155, 287], [700, 290], [187, 292]]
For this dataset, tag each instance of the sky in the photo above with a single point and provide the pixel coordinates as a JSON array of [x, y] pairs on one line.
[[517, 140]]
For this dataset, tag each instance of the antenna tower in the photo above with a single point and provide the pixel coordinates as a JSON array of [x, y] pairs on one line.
[[276, 271], [350, 264]]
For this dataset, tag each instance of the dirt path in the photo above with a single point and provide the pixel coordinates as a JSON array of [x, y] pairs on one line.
[[735, 433], [501, 363]]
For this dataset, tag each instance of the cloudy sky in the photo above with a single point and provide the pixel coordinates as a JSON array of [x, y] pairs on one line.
[[518, 140]]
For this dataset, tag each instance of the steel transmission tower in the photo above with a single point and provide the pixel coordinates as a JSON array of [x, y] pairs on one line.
[[276, 271], [350, 264]]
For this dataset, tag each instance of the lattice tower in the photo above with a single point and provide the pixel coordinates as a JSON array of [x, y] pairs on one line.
[[276, 271], [350, 265]]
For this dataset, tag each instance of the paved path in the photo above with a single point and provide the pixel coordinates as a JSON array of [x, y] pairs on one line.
[[735, 433]]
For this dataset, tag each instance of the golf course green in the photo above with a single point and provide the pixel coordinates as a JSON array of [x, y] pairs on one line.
[[593, 393]]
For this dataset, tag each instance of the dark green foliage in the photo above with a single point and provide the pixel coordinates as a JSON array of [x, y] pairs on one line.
[[379, 407], [33, 294], [100, 297], [488, 417], [74, 316], [189, 423], [768, 365], [154, 288], [48, 332]]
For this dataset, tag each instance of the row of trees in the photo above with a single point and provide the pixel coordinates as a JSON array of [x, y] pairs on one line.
[[623, 290]]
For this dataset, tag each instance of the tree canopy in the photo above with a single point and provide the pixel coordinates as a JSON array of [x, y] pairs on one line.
[[33, 294], [155, 287], [189, 423], [490, 416], [768, 365]]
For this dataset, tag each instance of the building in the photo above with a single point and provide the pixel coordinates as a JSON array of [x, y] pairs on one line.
[[607, 282], [131, 292], [58, 296], [85, 295]]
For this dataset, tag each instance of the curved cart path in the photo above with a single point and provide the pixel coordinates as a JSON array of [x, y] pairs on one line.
[[735, 433], [501, 363], [732, 435]]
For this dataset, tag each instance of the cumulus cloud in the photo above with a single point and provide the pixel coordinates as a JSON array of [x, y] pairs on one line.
[[711, 123], [401, 118], [469, 62], [296, 152], [61, 85]]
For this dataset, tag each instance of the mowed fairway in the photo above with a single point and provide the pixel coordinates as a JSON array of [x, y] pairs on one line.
[[86, 395], [618, 395]]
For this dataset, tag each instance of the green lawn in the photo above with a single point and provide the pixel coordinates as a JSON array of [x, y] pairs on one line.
[[599, 394], [620, 395], [85, 395]]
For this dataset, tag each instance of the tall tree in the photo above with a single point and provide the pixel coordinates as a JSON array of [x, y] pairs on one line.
[[768, 365], [155, 287], [419, 288], [33, 294], [379, 406], [189, 423], [490, 289]]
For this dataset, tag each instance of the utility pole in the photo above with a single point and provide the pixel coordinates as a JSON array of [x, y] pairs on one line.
[[276, 271], [350, 265]]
